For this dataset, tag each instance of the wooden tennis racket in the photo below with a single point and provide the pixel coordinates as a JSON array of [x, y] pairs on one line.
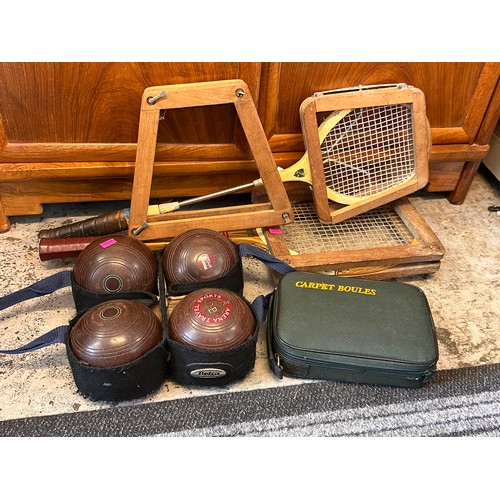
[[117, 221], [376, 154]]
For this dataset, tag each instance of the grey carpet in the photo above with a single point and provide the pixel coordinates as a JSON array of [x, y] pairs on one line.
[[462, 402]]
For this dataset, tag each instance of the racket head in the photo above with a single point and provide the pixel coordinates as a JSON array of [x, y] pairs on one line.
[[378, 150]]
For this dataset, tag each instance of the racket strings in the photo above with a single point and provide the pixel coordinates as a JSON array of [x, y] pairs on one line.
[[380, 227], [369, 151]]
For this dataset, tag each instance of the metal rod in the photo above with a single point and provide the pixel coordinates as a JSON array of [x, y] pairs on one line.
[[165, 208]]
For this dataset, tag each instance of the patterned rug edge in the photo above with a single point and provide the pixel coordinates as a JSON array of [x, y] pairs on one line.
[[460, 402]]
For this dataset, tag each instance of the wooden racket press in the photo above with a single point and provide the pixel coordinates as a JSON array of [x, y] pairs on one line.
[[379, 156], [391, 241], [275, 211]]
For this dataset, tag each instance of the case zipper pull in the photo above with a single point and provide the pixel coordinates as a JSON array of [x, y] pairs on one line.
[[275, 363]]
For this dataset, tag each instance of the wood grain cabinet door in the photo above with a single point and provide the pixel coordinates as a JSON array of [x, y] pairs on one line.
[[64, 127], [459, 99], [68, 131]]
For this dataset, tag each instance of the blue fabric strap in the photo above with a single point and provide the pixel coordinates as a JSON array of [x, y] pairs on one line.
[[260, 305], [55, 336], [42, 287], [268, 259]]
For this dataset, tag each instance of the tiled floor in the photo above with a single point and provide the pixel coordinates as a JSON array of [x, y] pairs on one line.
[[463, 295]]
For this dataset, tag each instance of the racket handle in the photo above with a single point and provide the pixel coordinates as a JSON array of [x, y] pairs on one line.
[[112, 222], [62, 248]]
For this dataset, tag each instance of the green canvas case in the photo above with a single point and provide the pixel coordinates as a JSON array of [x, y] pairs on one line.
[[351, 330]]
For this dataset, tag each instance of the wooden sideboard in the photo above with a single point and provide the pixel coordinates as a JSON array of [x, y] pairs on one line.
[[68, 131]]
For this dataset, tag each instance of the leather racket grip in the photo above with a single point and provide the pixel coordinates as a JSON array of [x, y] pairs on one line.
[[112, 222], [62, 248]]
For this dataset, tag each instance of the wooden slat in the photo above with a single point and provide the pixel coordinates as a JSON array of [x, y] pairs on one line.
[[144, 165], [229, 218]]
